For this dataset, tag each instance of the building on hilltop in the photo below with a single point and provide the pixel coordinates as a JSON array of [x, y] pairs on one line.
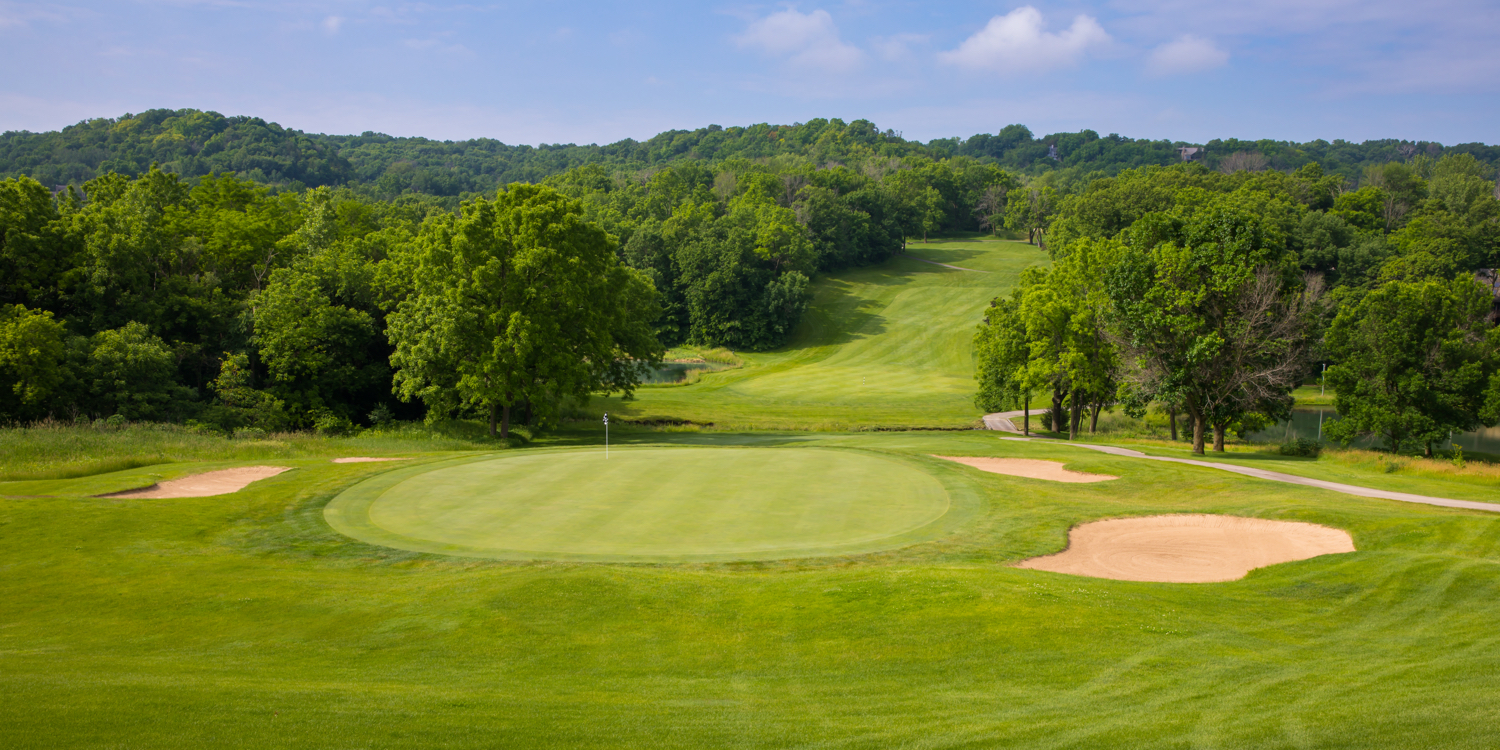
[[1052, 152], [1490, 277], [1192, 153]]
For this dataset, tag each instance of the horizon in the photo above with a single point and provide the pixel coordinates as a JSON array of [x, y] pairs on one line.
[[529, 75], [1036, 135]]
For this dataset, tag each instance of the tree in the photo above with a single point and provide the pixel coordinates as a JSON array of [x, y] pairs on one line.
[[1001, 353], [131, 373], [33, 366], [990, 208], [1211, 314], [1413, 362], [519, 300], [1031, 209], [33, 250]]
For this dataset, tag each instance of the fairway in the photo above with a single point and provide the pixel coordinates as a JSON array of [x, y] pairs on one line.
[[889, 345], [660, 504]]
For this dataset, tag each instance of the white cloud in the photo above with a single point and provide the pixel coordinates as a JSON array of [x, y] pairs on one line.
[[897, 47], [331, 24], [804, 40], [1186, 54], [1016, 42]]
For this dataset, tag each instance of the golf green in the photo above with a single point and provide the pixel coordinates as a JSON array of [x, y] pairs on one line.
[[644, 505]]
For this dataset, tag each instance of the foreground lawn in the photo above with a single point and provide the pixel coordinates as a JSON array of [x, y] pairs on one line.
[[883, 346], [245, 621]]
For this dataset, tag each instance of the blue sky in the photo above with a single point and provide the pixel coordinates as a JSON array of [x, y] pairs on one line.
[[583, 72]]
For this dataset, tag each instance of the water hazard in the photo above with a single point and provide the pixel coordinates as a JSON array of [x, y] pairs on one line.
[[1310, 421]]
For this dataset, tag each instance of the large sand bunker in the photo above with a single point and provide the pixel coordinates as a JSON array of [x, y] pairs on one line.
[[207, 484], [1188, 548], [1027, 467]]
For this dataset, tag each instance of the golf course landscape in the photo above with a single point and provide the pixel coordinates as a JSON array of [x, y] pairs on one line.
[[776, 555]]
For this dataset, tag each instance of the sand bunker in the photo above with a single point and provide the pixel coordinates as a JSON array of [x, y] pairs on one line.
[[205, 485], [363, 460], [1188, 548], [1028, 467]]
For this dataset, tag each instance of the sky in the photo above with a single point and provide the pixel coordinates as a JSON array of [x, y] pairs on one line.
[[554, 72]]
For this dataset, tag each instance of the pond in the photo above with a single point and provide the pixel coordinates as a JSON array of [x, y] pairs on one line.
[[675, 372], [1309, 422]]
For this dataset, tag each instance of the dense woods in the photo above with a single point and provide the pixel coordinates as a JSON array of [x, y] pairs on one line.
[[193, 144], [1214, 294]]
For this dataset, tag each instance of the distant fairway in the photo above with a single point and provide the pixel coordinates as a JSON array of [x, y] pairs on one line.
[[890, 345], [650, 505]]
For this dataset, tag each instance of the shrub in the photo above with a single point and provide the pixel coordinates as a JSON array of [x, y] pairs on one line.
[[328, 423], [1301, 447], [381, 415], [250, 433]]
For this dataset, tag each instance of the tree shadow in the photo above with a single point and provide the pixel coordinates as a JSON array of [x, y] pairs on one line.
[[580, 434]]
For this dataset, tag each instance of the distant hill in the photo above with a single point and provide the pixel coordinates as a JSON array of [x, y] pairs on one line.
[[195, 143]]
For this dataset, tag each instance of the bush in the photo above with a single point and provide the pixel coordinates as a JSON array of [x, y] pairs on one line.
[[116, 421], [1301, 447], [381, 415], [203, 428], [250, 433], [328, 423]]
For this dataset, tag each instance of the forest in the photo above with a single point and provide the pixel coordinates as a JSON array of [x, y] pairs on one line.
[[1213, 295], [193, 144], [234, 275], [226, 304]]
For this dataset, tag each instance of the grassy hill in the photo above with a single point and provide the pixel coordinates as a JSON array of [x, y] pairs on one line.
[[884, 346]]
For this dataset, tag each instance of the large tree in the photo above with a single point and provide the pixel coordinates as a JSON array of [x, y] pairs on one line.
[[1414, 360], [519, 300], [1212, 314]]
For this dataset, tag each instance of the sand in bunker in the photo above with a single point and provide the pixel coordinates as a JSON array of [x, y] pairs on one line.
[[1188, 548], [205, 485], [1027, 467], [363, 460]]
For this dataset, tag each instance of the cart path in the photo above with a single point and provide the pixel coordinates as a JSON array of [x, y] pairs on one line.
[[1002, 420], [1276, 476]]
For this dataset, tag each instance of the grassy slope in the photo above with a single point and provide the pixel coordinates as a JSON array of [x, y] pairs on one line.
[[243, 621], [890, 345]]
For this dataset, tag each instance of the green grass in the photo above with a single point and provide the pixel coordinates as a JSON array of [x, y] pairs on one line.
[[245, 621], [657, 505], [879, 347]]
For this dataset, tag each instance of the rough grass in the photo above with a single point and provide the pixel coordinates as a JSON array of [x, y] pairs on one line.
[[54, 450], [244, 621]]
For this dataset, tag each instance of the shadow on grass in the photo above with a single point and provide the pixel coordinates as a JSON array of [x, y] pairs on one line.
[[576, 434]]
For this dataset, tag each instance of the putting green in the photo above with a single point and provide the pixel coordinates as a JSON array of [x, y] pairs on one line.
[[652, 505]]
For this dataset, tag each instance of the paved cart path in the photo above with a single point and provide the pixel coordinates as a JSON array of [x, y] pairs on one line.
[[1276, 476]]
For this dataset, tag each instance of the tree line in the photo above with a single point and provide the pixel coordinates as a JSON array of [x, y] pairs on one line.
[[194, 144], [222, 302], [1213, 295]]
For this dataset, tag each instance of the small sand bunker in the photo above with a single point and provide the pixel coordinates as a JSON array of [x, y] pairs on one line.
[[205, 485], [1028, 467], [363, 460], [1188, 548]]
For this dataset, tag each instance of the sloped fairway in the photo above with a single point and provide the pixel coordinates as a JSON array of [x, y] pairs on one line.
[[891, 345], [653, 505]]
